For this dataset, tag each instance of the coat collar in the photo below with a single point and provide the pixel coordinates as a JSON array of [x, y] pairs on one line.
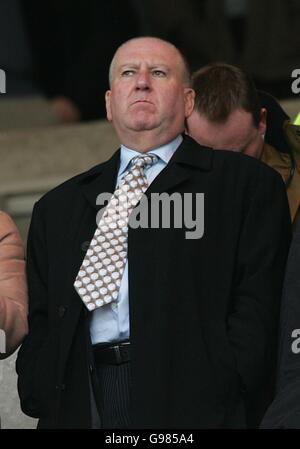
[[99, 179], [192, 154], [188, 157], [189, 154]]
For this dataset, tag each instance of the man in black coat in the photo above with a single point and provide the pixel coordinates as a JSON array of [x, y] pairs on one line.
[[284, 412], [194, 326]]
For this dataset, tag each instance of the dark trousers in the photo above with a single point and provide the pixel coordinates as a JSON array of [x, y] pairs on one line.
[[111, 386]]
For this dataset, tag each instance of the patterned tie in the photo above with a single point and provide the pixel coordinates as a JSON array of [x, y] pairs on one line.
[[99, 278]]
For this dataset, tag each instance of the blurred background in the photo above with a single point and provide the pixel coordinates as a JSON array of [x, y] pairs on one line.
[[55, 56]]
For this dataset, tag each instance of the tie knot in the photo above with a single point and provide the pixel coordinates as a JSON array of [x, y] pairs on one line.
[[144, 161]]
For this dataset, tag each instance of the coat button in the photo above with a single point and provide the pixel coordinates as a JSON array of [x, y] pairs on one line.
[[61, 311]]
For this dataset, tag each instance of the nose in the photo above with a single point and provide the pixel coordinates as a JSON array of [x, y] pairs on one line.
[[143, 81]]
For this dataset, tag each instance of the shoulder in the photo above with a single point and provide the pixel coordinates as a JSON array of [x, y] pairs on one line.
[[272, 157], [240, 161], [69, 186], [253, 178], [63, 195], [230, 163], [292, 134]]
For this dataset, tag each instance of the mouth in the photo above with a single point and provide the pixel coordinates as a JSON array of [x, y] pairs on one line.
[[142, 101]]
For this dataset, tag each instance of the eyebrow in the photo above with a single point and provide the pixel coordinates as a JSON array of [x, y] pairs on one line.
[[151, 67]]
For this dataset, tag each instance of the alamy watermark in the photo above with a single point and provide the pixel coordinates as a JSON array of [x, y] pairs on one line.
[[2, 342], [159, 210], [2, 82], [296, 83], [2, 350], [295, 347]]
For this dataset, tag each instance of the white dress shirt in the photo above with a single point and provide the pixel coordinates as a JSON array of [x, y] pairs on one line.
[[111, 322]]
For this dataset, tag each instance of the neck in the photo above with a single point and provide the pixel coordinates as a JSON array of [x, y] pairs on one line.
[[260, 151], [146, 141]]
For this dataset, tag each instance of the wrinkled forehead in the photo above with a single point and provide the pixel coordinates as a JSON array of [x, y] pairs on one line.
[[149, 51]]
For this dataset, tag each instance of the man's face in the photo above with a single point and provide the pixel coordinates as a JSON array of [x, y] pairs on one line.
[[238, 133], [147, 90]]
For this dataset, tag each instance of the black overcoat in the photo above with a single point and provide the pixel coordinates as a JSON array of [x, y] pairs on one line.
[[203, 313], [284, 412]]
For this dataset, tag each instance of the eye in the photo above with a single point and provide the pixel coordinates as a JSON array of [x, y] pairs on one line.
[[128, 72], [159, 73]]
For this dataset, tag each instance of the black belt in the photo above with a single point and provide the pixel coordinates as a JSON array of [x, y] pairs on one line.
[[112, 354]]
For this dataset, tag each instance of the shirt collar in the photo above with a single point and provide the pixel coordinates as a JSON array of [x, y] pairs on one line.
[[164, 152]]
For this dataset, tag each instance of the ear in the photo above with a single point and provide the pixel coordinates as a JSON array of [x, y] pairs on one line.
[[262, 126], [108, 105], [189, 101]]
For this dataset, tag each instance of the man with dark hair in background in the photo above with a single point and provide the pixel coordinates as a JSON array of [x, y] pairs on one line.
[[228, 115]]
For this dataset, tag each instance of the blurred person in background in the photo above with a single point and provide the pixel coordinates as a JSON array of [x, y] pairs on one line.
[[230, 114], [262, 36], [284, 412], [62, 49], [179, 22]]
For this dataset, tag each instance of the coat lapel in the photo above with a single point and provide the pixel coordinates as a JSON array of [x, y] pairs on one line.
[[100, 179], [82, 227], [188, 157]]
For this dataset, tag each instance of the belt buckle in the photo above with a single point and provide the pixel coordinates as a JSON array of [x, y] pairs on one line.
[[117, 354]]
